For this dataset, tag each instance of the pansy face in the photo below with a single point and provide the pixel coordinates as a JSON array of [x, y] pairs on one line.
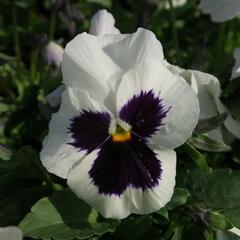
[[122, 144], [114, 133]]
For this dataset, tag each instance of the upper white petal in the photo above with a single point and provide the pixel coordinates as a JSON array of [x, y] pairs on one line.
[[57, 155], [86, 66], [132, 200], [175, 92], [103, 23], [11, 233], [134, 48]]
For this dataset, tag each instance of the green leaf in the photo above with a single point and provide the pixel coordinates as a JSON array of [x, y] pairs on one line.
[[205, 125], [179, 198], [163, 212], [218, 189], [196, 156], [205, 143], [62, 216]]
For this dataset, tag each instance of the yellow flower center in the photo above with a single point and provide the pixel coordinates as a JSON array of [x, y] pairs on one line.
[[121, 135]]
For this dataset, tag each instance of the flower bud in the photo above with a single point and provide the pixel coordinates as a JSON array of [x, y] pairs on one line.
[[103, 23], [216, 220], [53, 54]]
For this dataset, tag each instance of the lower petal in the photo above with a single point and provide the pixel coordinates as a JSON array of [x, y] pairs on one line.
[[132, 200]]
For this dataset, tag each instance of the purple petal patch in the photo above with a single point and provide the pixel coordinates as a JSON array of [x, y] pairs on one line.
[[145, 113], [89, 130], [124, 164]]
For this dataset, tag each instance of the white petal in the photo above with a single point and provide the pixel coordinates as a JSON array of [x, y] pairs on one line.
[[134, 48], [103, 23], [236, 68], [208, 6], [208, 90], [232, 125], [11, 233], [235, 231], [57, 155], [175, 92], [132, 200], [216, 134], [86, 66], [54, 98]]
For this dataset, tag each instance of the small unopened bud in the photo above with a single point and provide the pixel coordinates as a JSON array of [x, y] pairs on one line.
[[53, 53], [103, 23], [215, 220]]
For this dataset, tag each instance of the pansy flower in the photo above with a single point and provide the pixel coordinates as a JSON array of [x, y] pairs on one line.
[[122, 114]]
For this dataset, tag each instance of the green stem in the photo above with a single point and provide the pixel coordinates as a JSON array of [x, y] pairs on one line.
[[174, 31], [16, 39], [52, 24]]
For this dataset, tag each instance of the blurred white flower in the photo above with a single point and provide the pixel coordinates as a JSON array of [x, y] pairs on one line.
[[102, 23], [10, 233], [220, 10], [236, 68], [122, 114], [175, 3], [209, 92], [53, 53]]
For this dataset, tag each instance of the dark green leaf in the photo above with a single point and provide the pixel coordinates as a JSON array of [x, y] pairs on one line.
[[218, 189], [133, 228], [233, 215]]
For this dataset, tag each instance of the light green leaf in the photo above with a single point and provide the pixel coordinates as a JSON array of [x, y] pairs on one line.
[[179, 198], [61, 216], [196, 156]]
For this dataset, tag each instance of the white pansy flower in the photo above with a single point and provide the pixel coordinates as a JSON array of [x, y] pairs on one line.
[[121, 116], [102, 23], [236, 68], [208, 90], [221, 10], [175, 3], [10, 233], [53, 53]]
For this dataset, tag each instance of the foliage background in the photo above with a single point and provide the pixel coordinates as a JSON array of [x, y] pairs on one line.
[[206, 199]]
